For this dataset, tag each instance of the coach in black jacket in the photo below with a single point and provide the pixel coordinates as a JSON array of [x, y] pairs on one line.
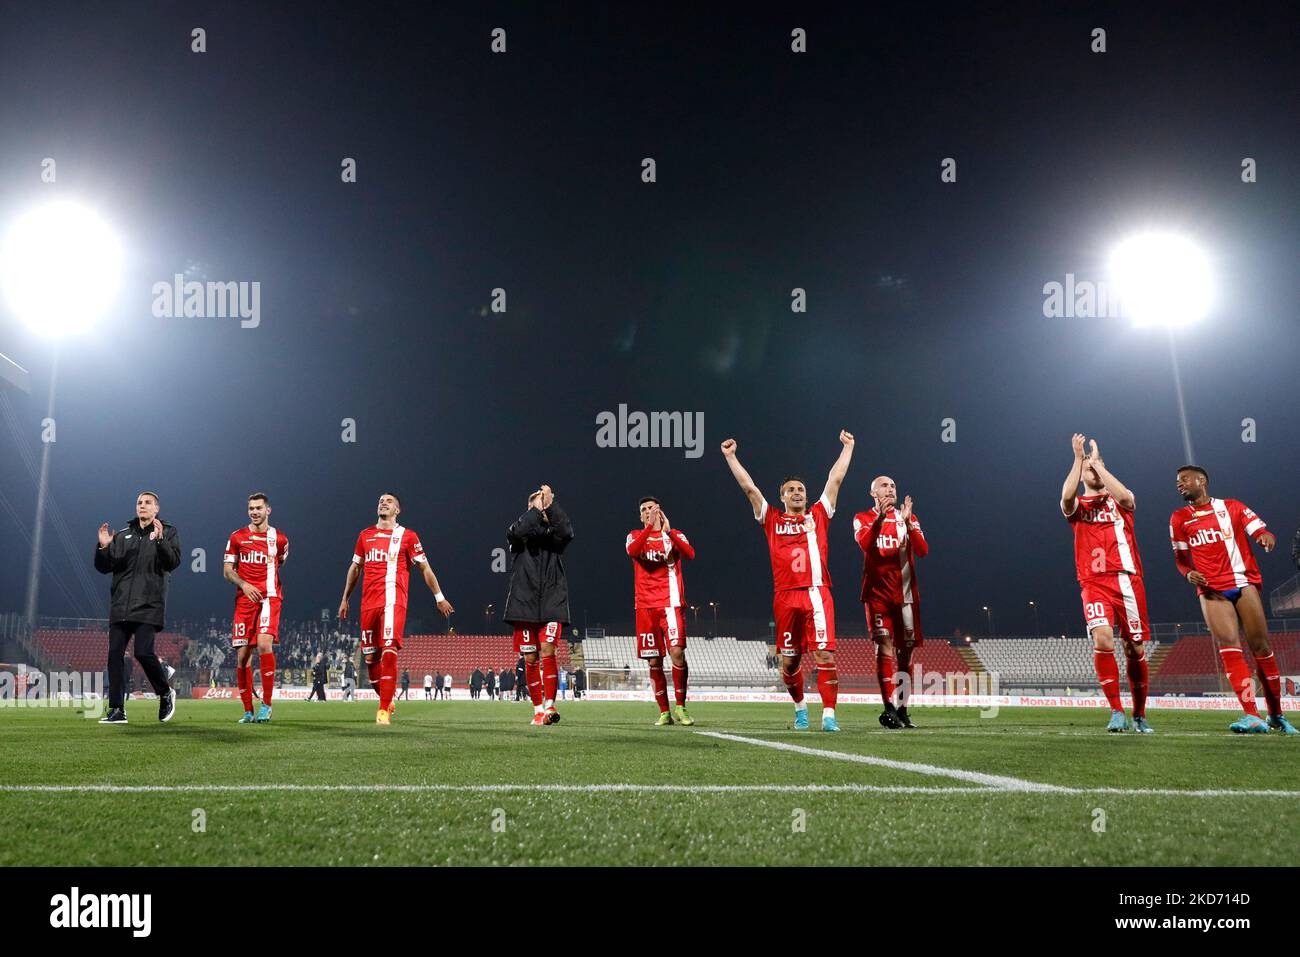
[[538, 603], [139, 557]]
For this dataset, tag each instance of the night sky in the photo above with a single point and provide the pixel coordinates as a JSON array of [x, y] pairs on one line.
[[775, 170]]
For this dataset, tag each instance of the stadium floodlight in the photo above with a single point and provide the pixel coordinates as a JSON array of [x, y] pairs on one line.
[[1162, 279], [60, 266]]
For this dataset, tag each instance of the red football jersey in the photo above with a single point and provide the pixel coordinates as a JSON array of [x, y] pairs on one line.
[[657, 569], [1214, 539], [252, 552], [1104, 541], [797, 545], [888, 566], [385, 557]]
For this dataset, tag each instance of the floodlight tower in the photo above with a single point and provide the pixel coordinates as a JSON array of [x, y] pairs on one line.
[[1164, 280], [60, 266]]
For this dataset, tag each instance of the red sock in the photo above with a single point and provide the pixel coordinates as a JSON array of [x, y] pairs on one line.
[[886, 667], [1108, 674], [1271, 679], [248, 676], [268, 676], [1239, 679], [550, 678], [659, 682], [793, 684], [245, 688], [828, 685], [533, 673], [387, 679], [375, 671], [1138, 678], [679, 682]]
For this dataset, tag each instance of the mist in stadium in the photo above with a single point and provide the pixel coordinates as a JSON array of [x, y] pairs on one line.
[[796, 403]]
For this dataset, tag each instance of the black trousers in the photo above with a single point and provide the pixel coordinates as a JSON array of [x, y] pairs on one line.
[[119, 633], [317, 689]]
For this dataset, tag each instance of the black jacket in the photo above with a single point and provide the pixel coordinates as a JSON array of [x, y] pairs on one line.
[[320, 673], [139, 568], [539, 592]]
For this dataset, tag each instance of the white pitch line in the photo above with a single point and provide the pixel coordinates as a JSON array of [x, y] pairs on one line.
[[993, 783], [490, 788], [615, 789], [974, 777]]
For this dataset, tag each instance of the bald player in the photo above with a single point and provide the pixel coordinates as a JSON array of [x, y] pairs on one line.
[[891, 540]]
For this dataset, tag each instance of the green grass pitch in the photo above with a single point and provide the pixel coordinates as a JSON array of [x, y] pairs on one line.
[[470, 783]]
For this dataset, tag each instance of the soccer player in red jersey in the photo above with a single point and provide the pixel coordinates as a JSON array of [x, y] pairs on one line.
[[891, 540], [252, 563], [1211, 539], [1109, 571], [657, 551], [802, 605], [537, 605], [386, 551]]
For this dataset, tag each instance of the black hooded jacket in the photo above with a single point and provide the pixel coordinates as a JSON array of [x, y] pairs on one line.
[[139, 568], [539, 592]]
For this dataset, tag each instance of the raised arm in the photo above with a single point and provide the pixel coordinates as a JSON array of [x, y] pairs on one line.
[[168, 545], [108, 550], [746, 483], [840, 469], [560, 528], [1070, 490], [1117, 489]]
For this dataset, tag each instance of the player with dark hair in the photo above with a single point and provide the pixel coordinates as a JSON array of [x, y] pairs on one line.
[[386, 551], [891, 540], [1211, 539], [537, 604], [802, 606], [252, 563], [657, 551], [1109, 570]]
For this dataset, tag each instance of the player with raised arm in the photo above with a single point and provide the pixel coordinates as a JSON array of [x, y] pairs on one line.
[[891, 540], [1211, 539], [657, 551], [802, 605], [537, 604], [385, 553], [254, 554], [1109, 571]]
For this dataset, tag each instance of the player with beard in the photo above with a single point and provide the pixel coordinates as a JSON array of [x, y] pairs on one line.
[[1211, 539], [802, 605], [891, 540], [386, 551]]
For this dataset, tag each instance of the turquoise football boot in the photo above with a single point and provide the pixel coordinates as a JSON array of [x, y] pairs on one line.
[[1249, 724], [1279, 723]]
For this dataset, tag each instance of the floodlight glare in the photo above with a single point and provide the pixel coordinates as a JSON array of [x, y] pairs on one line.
[[59, 268], [1161, 280]]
